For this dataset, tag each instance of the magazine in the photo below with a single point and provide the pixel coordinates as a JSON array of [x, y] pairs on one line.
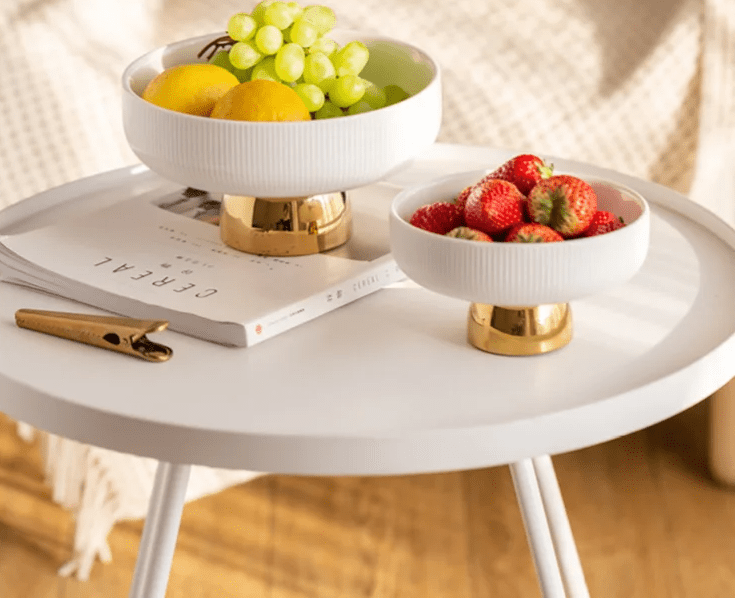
[[159, 256]]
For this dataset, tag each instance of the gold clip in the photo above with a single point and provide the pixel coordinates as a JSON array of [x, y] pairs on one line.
[[124, 335]]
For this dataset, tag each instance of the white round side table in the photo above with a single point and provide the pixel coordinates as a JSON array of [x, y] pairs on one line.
[[388, 384]]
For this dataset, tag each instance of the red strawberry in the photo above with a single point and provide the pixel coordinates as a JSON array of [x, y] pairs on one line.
[[438, 217], [603, 222], [563, 202], [532, 233], [523, 171], [493, 206], [462, 197], [465, 232]]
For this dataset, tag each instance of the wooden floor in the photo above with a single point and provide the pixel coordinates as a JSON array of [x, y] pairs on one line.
[[649, 523]]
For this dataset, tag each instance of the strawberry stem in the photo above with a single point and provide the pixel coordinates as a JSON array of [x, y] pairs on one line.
[[546, 170], [559, 212], [544, 209]]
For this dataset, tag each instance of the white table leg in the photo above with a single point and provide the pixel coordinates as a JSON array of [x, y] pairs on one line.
[[561, 531], [537, 528], [160, 531]]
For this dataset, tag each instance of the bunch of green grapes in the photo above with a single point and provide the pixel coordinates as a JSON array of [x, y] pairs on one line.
[[284, 42]]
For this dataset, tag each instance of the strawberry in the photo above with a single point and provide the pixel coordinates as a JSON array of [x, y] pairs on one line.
[[523, 171], [465, 232], [461, 199], [439, 217], [563, 202], [603, 222], [493, 206], [532, 233]]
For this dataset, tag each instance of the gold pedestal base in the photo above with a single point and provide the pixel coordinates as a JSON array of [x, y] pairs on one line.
[[519, 330], [285, 226]]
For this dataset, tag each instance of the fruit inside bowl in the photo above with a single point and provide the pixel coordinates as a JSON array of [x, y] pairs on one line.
[[521, 283], [286, 54], [389, 112]]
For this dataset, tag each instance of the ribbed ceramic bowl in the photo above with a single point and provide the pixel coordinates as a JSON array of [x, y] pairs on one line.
[[286, 159], [519, 274]]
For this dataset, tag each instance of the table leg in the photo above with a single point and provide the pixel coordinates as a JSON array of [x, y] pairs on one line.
[[561, 531], [160, 531], [537, 528]]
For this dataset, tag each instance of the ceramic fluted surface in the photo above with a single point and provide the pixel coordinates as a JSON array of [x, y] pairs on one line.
[[287, 159], [519, 274]]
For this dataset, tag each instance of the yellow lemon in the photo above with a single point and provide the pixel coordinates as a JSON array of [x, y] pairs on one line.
[[190, 88], [261, 100]]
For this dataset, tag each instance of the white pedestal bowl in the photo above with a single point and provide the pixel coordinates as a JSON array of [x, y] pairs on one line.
[[286, 159], [519, 291]]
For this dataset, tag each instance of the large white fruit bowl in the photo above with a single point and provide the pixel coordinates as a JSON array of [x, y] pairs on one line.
[[286, 159], [519, 274]]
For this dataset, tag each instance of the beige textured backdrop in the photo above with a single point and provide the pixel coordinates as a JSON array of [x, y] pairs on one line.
[[613, 82], [645, 87]]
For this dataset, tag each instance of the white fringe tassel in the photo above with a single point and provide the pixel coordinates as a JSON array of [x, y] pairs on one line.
[[101, 487]]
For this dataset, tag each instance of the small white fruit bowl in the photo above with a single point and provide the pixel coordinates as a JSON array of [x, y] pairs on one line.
[[286, 159], [520, 278], [514, 274]]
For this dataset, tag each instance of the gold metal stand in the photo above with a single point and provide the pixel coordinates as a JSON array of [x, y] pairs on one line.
[[519, 330], [285, 226]]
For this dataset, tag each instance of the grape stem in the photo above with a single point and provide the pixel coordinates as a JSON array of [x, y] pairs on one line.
[[215, 45]]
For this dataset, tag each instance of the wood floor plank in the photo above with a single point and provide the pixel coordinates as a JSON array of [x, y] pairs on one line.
[[699, 513], [34, 533], [232, 536], [369, 537], [614, 509], [499, 560]]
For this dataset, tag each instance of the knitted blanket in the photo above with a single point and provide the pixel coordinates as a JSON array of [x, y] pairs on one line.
[[643, 87]]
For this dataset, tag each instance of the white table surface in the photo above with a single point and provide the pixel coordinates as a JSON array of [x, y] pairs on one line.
[[389, 384]]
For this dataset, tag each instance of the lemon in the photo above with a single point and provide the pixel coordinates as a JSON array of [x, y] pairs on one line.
[[190, 88], [261, 100]]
